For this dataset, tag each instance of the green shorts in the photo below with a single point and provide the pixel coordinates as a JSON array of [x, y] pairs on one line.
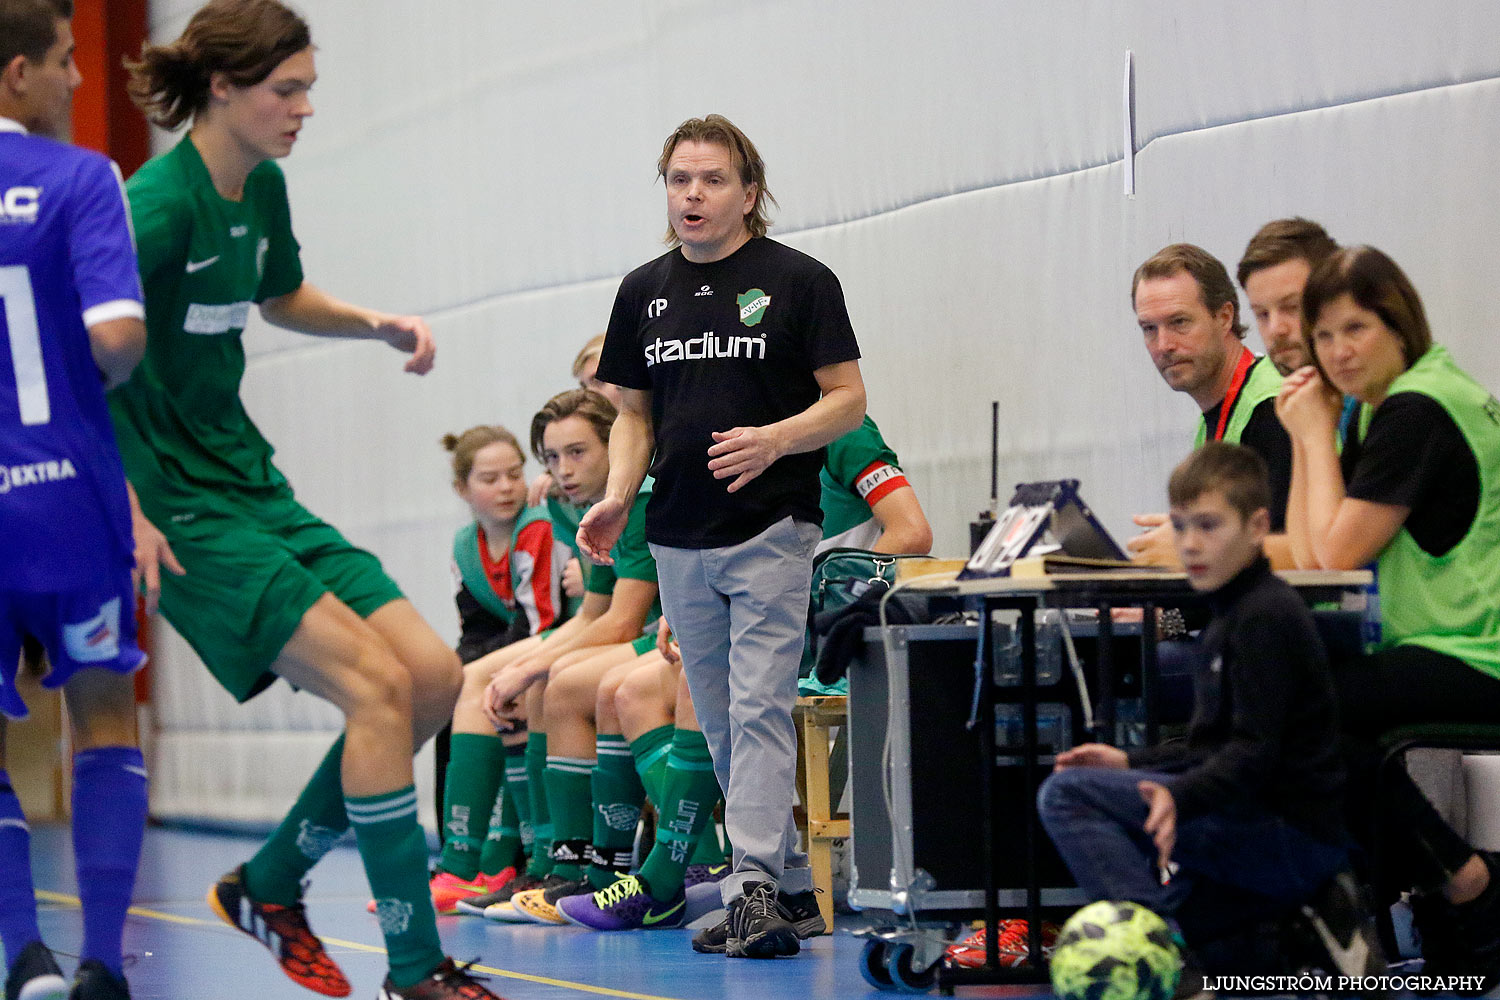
[[251, 579], [644, 644]]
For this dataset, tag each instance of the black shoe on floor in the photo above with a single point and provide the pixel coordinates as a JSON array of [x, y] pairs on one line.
[[756, 927], [95, 982], [1345, 929], [1462, 939], [34, 975], [800, 909]]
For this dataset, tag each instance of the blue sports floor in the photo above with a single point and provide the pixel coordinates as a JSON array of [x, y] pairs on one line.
[[182, 951]]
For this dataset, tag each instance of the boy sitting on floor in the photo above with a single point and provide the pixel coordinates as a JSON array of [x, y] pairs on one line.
[[1242, 820]]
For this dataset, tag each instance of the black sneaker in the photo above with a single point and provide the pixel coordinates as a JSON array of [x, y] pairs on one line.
[[756, 927], [95, 982], [1462, 939], [1345, 928], [34, 975], [800, 909], [712, 940]]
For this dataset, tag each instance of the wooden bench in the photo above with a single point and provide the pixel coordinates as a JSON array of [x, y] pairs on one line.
[[820, 783]]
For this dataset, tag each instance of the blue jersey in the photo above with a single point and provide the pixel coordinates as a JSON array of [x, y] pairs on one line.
[[67, 262]]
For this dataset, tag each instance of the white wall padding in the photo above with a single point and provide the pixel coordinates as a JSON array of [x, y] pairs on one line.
[[959, 165]]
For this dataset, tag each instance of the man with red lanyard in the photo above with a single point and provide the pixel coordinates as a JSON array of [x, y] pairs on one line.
[[1189, 314]]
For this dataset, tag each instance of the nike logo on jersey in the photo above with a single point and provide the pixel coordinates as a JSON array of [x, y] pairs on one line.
[[194, 266]]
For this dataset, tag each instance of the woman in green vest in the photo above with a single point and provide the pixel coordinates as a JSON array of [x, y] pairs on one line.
[[1417, 491]]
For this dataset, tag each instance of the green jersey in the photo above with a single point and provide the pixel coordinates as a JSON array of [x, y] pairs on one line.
[[632, 557], [859, 469], [1449, 603], [185, 436], [565, 517]]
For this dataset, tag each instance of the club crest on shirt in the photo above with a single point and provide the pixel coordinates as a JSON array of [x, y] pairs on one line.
[[752, 306]]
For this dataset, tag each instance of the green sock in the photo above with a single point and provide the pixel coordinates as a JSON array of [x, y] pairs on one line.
[[308, 832], [476, 765], [503, 844], [686, 809], [541, 817], [618, 794], [708, 850], [649, 750], [572, 805], [518, 795], [394, 851]]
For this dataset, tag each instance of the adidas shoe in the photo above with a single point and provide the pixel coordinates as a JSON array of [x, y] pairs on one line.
[[34, 975], [756, 928], [800, 909], [282, 929], [448, 981], [95, 982], [476, 905], [623, 906]]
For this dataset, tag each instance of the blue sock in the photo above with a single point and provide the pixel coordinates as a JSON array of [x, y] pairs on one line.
[[109, 820], [17, 894]]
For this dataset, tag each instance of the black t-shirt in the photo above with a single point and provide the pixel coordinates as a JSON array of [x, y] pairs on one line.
[[732, 343], [1265, 436], [1414, 455]]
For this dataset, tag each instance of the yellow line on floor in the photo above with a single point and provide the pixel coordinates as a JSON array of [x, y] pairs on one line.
[[173, 918]]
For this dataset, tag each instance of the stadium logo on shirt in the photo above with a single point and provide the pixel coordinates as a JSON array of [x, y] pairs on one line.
[[752, 306], [20, 204], [705, 347], [14, 476]]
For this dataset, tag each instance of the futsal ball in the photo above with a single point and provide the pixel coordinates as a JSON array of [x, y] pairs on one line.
[[1115, 951]]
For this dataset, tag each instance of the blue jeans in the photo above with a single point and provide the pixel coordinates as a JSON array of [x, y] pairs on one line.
[[1249, 864]]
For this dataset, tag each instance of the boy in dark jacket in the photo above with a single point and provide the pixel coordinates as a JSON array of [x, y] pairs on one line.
[[1243, 818]]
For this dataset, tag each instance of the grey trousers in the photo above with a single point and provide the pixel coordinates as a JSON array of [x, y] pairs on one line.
[[740, 615]]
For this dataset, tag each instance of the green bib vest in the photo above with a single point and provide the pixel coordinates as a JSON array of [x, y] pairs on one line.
[[1449, 603], [471, 566], [1262, 383]]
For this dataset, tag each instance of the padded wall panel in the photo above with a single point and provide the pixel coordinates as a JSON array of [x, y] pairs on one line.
[[958, 165]]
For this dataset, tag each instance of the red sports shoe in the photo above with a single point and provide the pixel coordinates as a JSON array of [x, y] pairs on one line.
[[284, 930], [969, 953]]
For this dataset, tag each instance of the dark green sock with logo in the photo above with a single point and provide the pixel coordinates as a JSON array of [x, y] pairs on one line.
[[476, 766], [517, 797], [571, 804], [689, 793], [504, 844], [308, 832], [541, 816], [394, 851], [618, 794]]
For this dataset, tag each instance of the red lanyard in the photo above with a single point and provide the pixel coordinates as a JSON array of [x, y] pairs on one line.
[[1241, 370]]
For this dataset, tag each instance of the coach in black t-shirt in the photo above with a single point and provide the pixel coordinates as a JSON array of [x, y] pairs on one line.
[[738, 364]]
